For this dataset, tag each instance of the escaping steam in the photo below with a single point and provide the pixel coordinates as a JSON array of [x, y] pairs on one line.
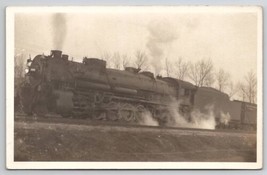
[[147, 119], [203, 120], [161, 35], [225, 118], [59, 30], [197, 119]]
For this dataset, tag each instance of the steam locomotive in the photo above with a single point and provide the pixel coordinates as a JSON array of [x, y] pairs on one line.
[[55, 84]]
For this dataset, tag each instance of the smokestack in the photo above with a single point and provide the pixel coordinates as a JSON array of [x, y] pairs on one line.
[[56, 53]]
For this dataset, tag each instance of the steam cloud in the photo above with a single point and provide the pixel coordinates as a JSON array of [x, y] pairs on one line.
[[198, 119], [59, 30], [161, 34], [202, 120], [225, 118], [147, 119]]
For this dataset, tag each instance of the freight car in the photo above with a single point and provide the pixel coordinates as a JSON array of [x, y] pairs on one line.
[[243, 115], [89, 89]]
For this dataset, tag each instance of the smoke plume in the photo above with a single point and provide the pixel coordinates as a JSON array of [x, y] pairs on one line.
[[161, 35], [59, 30]]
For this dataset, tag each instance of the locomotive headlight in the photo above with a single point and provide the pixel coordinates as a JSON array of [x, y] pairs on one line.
[[27, 70]]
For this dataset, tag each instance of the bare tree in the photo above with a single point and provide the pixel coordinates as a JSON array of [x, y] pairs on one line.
[[201, 73], [181, 68], [106, 56], [248, 88], [222, 79], [251, 85], [125, 61], [231, 89], [19, 66], [141, 59], [242, 91], [116, 60], [168, 67], [209, 80]]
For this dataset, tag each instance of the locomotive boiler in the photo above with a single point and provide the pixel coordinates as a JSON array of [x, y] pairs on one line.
[[90, 89]]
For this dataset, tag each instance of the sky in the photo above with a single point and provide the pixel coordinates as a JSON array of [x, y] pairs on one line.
[[229, 39]]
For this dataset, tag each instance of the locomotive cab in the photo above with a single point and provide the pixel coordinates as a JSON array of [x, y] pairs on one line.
[[185, 91]]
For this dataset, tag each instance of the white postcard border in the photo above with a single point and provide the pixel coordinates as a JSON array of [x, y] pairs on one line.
[[11, 164]]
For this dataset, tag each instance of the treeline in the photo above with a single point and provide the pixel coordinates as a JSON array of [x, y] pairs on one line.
[[203, 73], [19, 65], [200, 73]]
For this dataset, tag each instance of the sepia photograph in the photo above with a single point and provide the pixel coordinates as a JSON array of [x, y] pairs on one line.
[[134, 87]]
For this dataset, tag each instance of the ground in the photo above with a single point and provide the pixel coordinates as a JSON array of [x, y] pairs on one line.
[[43, 141]]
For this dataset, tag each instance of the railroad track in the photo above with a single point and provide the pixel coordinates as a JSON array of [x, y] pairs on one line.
[[57, 120]]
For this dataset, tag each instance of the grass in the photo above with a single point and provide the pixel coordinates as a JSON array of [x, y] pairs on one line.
[[65, 142]]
